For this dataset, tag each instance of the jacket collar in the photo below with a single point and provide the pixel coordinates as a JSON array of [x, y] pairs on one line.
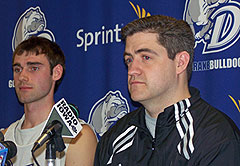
[[168, 116]]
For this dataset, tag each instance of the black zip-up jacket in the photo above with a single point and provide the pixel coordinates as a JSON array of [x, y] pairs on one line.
[[188, 133]]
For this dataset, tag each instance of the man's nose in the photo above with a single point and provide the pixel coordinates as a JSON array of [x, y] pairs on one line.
[[134, 68], [23, 76]]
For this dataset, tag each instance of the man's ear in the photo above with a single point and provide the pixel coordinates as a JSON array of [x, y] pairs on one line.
[[182, 59], [57, 72]]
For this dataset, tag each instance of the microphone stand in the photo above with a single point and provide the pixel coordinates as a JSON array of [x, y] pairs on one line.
[[50, 153], [55, 144]]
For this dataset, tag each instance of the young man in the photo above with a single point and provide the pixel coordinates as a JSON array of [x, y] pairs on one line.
[[174, 126], [38, 68]]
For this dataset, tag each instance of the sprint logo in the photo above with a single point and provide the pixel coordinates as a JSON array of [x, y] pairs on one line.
[[235, 102], [140, 14], [105, 35]]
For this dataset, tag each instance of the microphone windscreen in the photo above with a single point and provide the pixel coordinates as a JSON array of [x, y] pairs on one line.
[[66, 115], [74, 109], [12, 149]]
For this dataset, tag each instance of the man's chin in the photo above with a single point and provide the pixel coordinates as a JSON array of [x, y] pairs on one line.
[[24, 100], [137, 97]]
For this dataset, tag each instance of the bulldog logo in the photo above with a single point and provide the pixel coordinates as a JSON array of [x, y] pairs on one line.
[[107, 111], [31, 22], [215, 23]]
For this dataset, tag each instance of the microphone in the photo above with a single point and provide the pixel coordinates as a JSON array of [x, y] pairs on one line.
[[50, 131], [8, 150], [61, 121], [3, 154]]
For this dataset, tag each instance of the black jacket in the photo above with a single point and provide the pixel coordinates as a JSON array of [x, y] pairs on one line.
[[190, 132]]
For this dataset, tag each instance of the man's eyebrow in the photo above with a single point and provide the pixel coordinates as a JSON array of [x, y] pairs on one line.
[[126, 54], [140, 51], [34, 63], [145, 50], [16, 64], [28, 64]]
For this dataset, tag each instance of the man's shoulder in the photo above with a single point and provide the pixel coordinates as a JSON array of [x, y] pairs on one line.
[[124, 128], [130, 117], [11, 126], [213, 122], [4, 130], [123, 123]]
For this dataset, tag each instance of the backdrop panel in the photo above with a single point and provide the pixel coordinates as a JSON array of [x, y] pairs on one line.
[[96, 77]]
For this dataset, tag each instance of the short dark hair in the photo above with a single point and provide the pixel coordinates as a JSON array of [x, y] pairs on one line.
[[175, 35], [41, 45]]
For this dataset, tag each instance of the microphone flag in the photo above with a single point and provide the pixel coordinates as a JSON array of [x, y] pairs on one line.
[[3, 154], [63, 113]]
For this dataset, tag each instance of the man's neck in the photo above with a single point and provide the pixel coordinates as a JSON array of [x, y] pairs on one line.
[[36, 113], [156, 107]]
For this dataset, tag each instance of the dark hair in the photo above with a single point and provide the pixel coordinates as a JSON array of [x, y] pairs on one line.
[[175, 35], [40, 45]]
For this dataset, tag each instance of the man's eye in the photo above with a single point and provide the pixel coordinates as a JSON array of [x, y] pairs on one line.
[[146, 57], [34, 68], [17, 70], [128, 60]]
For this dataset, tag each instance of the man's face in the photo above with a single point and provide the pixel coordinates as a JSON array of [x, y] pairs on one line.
[[32, 78], [151, 74]]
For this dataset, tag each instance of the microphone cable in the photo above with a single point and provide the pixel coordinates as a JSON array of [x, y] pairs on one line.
[[34, 158]]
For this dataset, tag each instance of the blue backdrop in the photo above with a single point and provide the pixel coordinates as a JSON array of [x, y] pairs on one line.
[[96, 77]]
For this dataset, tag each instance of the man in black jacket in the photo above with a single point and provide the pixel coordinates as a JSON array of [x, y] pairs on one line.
[[174, 126]]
